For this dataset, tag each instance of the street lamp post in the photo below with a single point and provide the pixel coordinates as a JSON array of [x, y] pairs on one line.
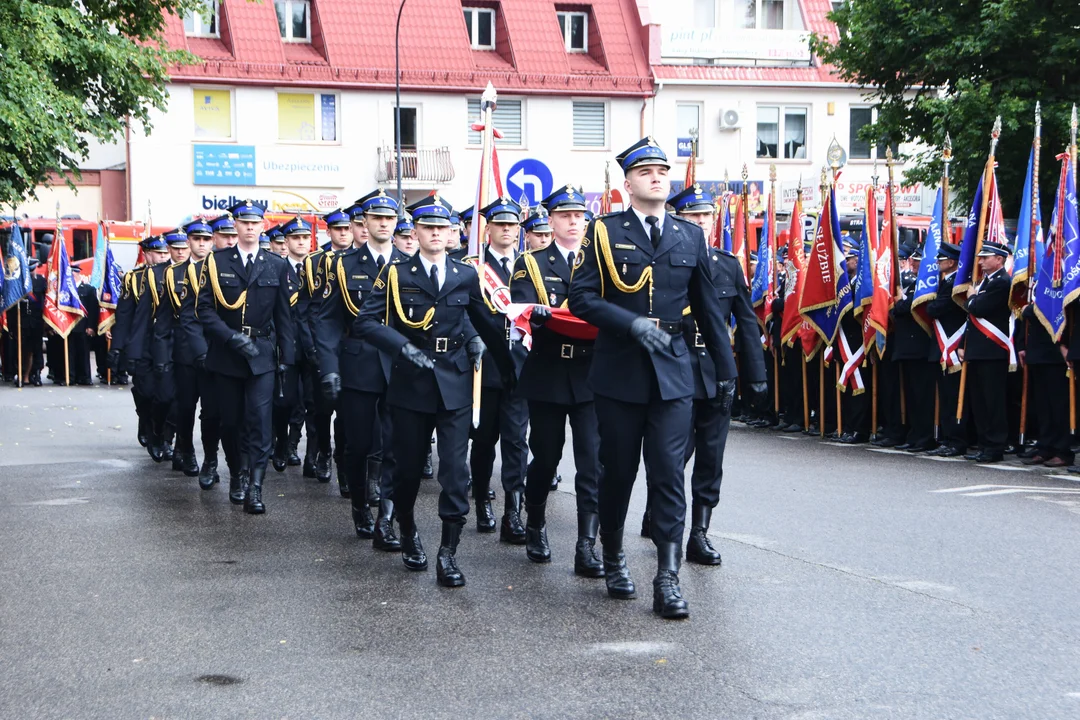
[[397, 106]]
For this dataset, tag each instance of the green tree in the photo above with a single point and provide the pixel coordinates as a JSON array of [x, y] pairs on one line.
[[935, 67], [72, 70]]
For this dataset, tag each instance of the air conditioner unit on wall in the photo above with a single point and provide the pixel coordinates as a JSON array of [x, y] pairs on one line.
[[729, 119]]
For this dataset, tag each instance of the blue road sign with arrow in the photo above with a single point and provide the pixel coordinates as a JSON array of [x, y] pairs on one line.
[[529, 178]]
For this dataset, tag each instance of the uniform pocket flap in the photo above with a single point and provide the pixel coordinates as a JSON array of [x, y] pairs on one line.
[[683, 259]]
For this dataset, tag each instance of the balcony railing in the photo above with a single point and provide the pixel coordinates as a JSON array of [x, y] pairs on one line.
[[429, 165]]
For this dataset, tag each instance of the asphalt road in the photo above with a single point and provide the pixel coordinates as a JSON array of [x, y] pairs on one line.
[[856, 584]]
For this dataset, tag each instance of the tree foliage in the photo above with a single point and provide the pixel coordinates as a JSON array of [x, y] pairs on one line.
[[72, 70], [937, 66]]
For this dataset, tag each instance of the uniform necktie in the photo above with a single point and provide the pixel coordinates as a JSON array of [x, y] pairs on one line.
[[435, 277], [379, 262], [570, 259], [654, 230], [505, 265], [249, 258]]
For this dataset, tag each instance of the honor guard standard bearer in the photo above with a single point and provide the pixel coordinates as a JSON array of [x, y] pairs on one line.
[[359, 372], [173, 352], [949, 322], [554, 381], [504, 415], [641, 270], [910, 347], [986, 353], [710, 419], [131, 334], [245, 309], [287, 397], [422, 314]]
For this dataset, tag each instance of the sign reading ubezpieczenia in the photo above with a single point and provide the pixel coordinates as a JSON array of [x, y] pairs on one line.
[[283, 166]]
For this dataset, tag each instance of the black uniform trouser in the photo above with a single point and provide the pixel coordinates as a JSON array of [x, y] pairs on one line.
[[286, 398], [791, 392], [547, 436], [79, 355], [504, 418], [142, 391], [856, 408], [322, 411], [986, 386], [210, 421], [1049, 392], [412, 441], [919, 400], [952, 432], [360, 419], [246, 413], [384, 433], [892, 417], [659, 428], [100, 346], [187, 397], [706, 442]]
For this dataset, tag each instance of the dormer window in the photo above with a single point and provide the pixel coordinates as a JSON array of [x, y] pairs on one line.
[[480, 22], [202, 22], [294, 20], [575, 30]]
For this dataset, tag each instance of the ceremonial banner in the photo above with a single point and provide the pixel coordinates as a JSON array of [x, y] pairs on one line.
[[968, 246], [926, 284], [1058, 282], [876, 326], [826, 293], [1029, 236], [763, 290], [111, 288], [17, 280], [62, 306]]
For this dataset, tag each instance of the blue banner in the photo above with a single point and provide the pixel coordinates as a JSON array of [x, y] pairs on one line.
[[1052, 294], [17, 280]]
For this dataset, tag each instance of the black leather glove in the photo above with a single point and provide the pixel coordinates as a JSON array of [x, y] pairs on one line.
[[759, 394], [200, 362], [311, 356], [648, 335], [244, 345], [114, 360], [417, 357], [540, 315], [331, 385], [476, 349], [725, 395]]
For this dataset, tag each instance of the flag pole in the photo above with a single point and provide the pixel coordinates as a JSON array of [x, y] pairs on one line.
[[821, 359], [487, 104], [988, 171], [946, 234], [1061, 223], [874, 370], [67, 363], [775, 272], [18, 342], [1031, 269]]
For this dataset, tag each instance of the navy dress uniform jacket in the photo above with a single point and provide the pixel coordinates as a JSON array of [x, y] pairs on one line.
[[257, 301], [361, 365], [909, 340], [944, 310], [991, 303], [497, 374], [681, 275], [557, 367], [407, 296], [178, 336], [134, 315]]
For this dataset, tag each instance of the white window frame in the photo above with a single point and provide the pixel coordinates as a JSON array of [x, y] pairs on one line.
[[474, 28], [607, 121], [783, 108], [876, 151], [288, 37], [200, 22], [565, 16], [700, 107], [759, 8], [418, 107], [318, 116], [473, 118], [232, 139]]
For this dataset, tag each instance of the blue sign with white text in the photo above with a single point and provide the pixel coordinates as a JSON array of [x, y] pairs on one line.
[[529, 178], [685, 147], [224, 164]]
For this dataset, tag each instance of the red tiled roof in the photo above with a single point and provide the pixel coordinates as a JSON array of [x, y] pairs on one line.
[[354, 47]]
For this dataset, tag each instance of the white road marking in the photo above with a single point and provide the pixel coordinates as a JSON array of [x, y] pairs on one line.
[[631, 647], [967, 488], [943, 459], [997, 466], [1070, 478], [59, 502], [989, 490], [889, 451]]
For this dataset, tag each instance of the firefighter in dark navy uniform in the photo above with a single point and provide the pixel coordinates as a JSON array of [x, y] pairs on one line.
[[642, 268], [554, 381], [246, 312], [427, 314], [357, 373], [949, 319]]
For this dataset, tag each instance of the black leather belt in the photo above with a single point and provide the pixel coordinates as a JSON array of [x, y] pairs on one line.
[[671, 327], [440, 344], [566, 351], [253, 332]]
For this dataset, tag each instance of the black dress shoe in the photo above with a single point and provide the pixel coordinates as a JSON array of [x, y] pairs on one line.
[[412, 551], [947, 451], [385, 538], [586, 562], [511, 530], [177, 462], [363, 522], [35, 379], [1033, 460], [322, 467], [812, 430], [1011, 449], [253, 504], [156, 447], [901, 446], [698, 548], [852, 438], [536, 542], [446, 570], [668, 601], [189, 464], [989, 457], [374, 482], [888, 442], [793, 428], [280, 458], [238, 485], [1030, 451], [293, 460], [167, 452], [208, 474], [555, 482], [616, 575], [309, 466], [429, 471], [485, 516]]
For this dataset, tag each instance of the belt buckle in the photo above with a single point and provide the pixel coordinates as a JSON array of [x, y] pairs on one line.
[[655, 321], [245, 330], [698, 341], [566, 351], [442, 344]]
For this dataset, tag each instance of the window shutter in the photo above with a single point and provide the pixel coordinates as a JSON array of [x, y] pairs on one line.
[[507, 118], [590, 124]]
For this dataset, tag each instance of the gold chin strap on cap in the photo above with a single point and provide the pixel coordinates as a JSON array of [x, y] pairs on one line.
[[212, 272], [424, 323], [603, 255]]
